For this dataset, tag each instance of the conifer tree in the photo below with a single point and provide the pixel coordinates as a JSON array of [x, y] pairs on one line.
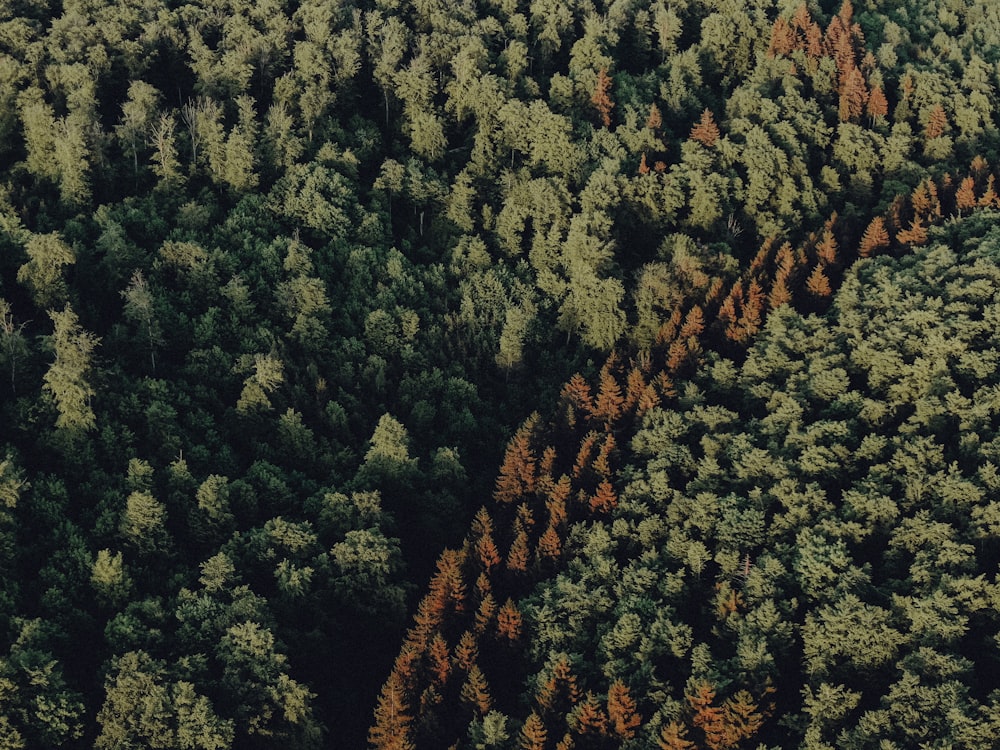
[[439, 658], [533, 735], [68, 378], [549, 544], [937, 122], [519, 553], [601, 98], [877, 107], [875, 238], [673, 736], [392, 727], [608, 406], [818, 284], [509, 621], [622, 710], [965, 196], [475, 691], [518, 472], [706, 132]]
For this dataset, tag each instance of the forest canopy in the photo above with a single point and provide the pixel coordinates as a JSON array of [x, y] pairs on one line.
[[585, 374]]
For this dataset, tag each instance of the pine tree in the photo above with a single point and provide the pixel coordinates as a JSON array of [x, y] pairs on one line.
[[584, 456], [915, 234], [783, 40], [818, 284], [589, 717], [673, 736], [706, 132], [391, 730], [533, 735], [467, 651], [608, 406], [68, 378], [965, 196], [937, 122], [877, 107], [601, 98], [604, 500], [989, 197], [485, 612], [518, 471], [509, 621], [654, 121], [519, 552], [875, 238], [622, 710], [475, 691], [853, 96], [742, 717], [439, 659], [577, 393], [707, 717], [549, 544]]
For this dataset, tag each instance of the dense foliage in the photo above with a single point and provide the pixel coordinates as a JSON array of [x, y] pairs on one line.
[[279, 280]]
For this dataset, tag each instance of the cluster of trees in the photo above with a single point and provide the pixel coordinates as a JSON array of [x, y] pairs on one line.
[[278, 282]]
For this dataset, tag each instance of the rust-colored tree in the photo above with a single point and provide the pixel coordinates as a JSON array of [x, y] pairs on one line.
[[467, 651], [447, 585], [392, 727], [439, 659], [635, 384], [783, 40], [519, 553], [654, 121], [485, 612], [585, 456], [853, 96], [589, 718], [550, 544], [518, 471], [485, 546], [475, 692], [602, 464], [673, 736], [694, 323], [509, 621], [577, 395], [601, 98], [965, 196], [608, 407], [874, 239], [622, 714], [560, 691], [708, 717], [605, 499], [937, 122], [818, 284], [533, 734], [706, 132], [877, 107], [915, 234]]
